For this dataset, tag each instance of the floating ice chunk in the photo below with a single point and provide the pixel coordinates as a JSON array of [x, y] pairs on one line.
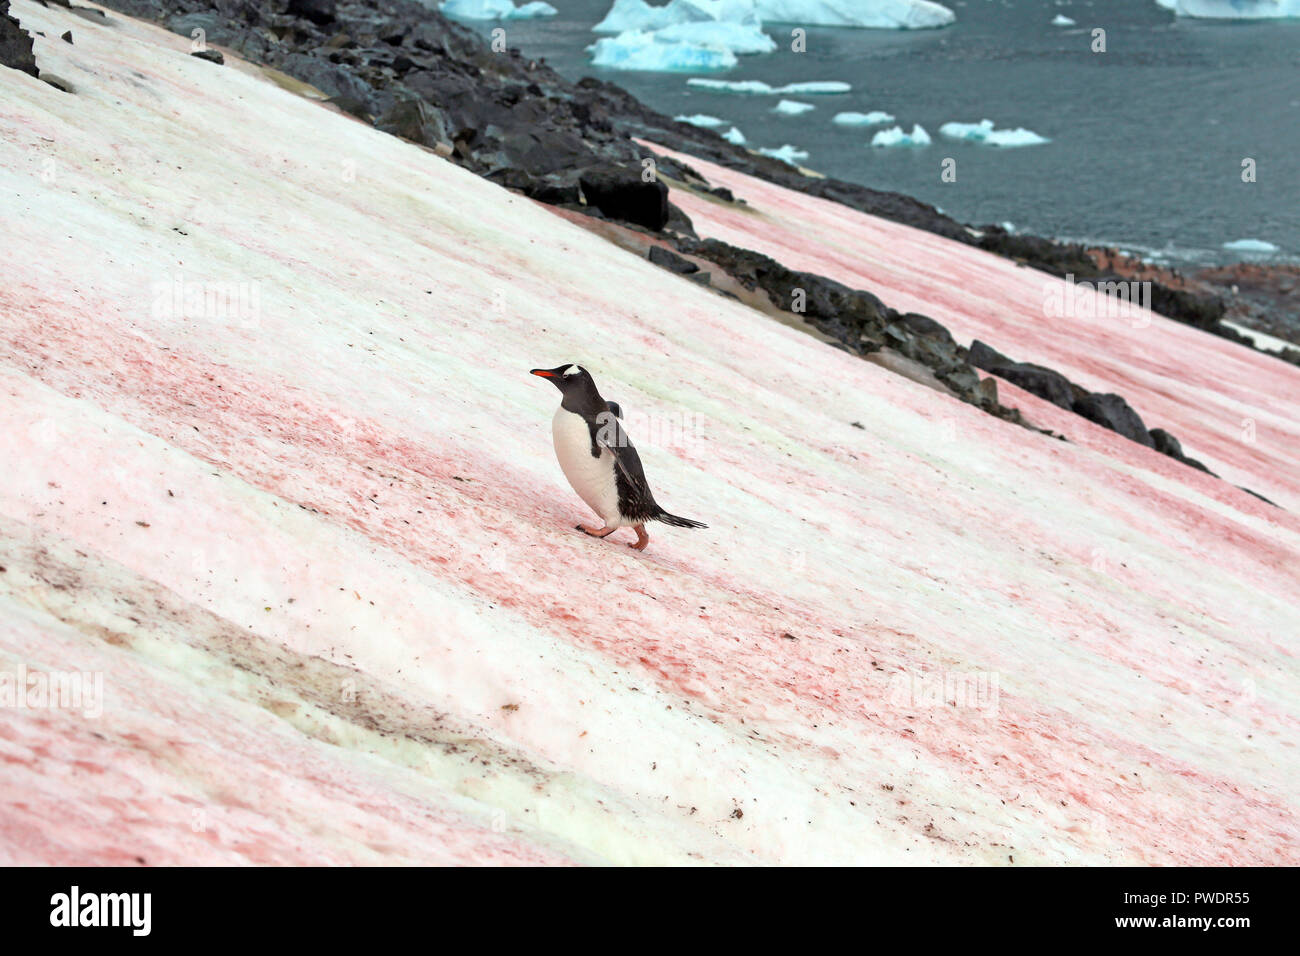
[[759, 88], [874, 118], [742, 38], [734, 136], [815, 87], [792, 108], [1250, 245], [495, 10], [1008, 226], [1236, 9], [731, 24], [639, 15], [787, 154], [702, 120], [1060, 20], [875, 14], [894, 136], [751, 87], [638, 50], [983, 132]]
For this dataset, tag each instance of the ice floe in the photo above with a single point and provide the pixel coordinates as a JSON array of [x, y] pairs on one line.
[[894, 136], [787, 154], [1250, 245], [734, 136], [792, 108], [1061, 20], [495, 10], [984, 133], [639, 50], [874, 14], [702, 120], [874, 118], [1234, 9], [759, 88]]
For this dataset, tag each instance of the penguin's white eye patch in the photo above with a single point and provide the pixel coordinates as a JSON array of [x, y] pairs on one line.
[[573, 370]]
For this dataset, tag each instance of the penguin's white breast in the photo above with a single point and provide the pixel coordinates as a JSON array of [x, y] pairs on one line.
[[592, 478]]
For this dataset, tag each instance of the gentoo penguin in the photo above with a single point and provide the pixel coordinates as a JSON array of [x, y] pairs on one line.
[[599, 460]]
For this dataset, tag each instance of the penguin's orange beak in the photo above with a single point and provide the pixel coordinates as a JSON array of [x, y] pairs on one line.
[[543, 372]]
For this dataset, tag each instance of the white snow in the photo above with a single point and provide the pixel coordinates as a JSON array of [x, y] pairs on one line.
[[701, 119], [495, 10], [323, 556], [787, 154], [1250, 245], [638, 50], [874, 14], [984, 133], [792, 108], [894, 136], [1061, 20], [874, 118], [1234, 9], [734, 136]]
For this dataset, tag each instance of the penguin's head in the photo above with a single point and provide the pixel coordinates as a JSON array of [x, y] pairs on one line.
[[567, 378]]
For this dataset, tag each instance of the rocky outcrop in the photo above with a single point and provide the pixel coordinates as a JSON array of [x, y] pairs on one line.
[[16, 47], [856, 319], [1105, 409]]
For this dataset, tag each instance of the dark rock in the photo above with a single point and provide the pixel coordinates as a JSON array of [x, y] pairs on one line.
[[986, 357], [1111, 411], [16, 46], [925, 326], [416, 120], [212, 56], [66, 37], [621, 193], [317, 11], [1167, 444], [671, 261], [1043, 382]]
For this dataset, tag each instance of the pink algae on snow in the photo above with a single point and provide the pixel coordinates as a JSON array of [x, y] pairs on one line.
[[320, 555]]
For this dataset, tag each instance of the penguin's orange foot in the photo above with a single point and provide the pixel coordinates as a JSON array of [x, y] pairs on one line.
[[596, 532], [642, 539]]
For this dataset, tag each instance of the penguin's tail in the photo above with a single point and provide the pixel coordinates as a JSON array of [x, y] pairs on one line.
[[677, 522]]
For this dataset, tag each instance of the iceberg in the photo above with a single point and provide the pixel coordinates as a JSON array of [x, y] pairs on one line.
[[872, 14], [495, 10], [894, 136], [1250, 245], [730, 24], [741, 38], [702, 120], [874, 118], [792, 108], [984, 133], [639, 15], [1234, 9], [787, 154], [734, 136], [638, 50], [1060, 20]]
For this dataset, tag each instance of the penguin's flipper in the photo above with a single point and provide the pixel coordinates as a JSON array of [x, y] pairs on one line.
[[615, 409]]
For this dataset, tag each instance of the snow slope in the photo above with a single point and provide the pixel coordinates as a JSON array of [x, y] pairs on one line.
[[321, 555]]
